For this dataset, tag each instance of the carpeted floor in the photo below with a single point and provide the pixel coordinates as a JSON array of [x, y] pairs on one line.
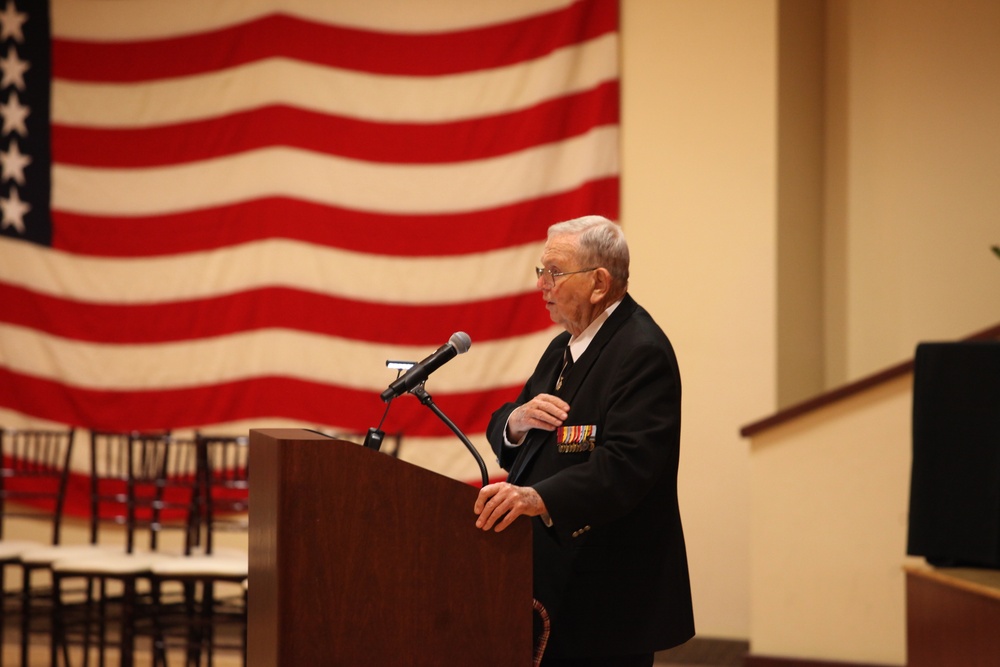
[[699, 652]]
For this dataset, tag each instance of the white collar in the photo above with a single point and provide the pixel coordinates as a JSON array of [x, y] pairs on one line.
[[579, 344]]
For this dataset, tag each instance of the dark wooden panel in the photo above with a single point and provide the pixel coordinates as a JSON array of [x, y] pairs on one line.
[[366, 559], [766, 661], [952, 620]]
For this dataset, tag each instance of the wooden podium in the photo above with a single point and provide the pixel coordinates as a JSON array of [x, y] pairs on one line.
[[952, 615], [358, 558]]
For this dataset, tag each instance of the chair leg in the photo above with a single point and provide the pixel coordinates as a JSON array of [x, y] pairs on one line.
[[87, 622], [3, 610], [26, 612], [102, 624], [55, 622], [159, 646], [196, 630], [128, 623], [208, 614]]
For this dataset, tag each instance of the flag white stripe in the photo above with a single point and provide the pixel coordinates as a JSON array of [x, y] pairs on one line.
[[271, 263], [262, 353], [117, 20], [449, 457], [339, 92], [365, 186]]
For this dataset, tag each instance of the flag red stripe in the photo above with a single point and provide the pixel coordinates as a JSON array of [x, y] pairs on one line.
[[406, 143], [273, 307], [261, 397], [416, 235], [278, 35]]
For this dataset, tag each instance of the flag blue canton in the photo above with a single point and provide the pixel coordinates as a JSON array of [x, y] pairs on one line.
[[25, 153]]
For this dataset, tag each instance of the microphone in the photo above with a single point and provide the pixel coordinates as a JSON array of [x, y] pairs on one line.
[[459, 343]]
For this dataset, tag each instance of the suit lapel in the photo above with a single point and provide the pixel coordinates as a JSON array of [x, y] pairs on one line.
[[546, 374], [536, 439], [582, 366]]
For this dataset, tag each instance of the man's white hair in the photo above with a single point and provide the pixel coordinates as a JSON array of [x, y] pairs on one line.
[[601, 243]]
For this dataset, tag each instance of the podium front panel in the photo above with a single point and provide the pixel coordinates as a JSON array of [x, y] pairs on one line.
[[359, 558]]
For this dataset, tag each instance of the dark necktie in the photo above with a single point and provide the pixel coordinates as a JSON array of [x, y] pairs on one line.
[[567, 364]]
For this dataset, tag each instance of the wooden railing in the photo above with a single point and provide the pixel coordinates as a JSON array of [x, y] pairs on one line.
[[847, 390]]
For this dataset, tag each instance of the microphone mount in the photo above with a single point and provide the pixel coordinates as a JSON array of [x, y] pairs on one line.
[[417, 373], [410, 379]]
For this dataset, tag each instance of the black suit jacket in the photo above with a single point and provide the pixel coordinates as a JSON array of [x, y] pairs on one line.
[[612, 570]]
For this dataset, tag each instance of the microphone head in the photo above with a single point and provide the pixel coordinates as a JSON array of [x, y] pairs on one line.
[[460, 341]]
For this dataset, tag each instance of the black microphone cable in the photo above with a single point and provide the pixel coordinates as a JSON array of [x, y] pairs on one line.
[[375, 435]]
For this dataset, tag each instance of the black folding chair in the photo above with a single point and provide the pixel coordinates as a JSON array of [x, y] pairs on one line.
[[142, 483], [213, 615], [34, 471]]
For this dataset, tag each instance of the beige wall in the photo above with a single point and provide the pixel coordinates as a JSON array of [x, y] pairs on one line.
[[699, 105], [719, 120], [830, 494], [921, 158], [801, 122]]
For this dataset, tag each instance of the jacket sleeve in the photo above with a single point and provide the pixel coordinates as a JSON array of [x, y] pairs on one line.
[[495, 435], [538, 383]]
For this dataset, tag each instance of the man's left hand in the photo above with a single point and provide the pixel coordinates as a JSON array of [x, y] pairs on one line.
[[499, 504]]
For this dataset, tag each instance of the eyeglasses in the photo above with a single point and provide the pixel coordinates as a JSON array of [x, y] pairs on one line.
[[548, 276]]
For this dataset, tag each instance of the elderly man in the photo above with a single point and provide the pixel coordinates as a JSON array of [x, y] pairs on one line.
[[591, 447]]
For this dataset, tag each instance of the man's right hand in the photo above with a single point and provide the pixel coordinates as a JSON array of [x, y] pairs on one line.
[[545, 411]]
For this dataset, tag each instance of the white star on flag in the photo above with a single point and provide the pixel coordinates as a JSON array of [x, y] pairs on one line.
[[13, 69], [13, 162], [14, 114], [11, 22], [14, 210]]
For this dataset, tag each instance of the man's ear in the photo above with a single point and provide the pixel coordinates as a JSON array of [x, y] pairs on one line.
[[602, 285]]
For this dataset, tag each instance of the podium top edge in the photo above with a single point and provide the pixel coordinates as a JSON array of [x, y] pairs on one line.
[[291, 434]]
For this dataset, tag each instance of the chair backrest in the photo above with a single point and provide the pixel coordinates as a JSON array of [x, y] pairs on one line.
[[178, 501], [143, 482], [34, 472], [109, 480], [225, 500]]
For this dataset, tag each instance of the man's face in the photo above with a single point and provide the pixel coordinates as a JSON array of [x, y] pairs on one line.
[[567, 298]]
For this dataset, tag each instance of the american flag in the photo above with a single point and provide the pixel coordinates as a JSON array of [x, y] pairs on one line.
[[225, 214]]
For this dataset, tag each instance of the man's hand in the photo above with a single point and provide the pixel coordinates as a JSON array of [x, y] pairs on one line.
[[499, 504], [545, 411]]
